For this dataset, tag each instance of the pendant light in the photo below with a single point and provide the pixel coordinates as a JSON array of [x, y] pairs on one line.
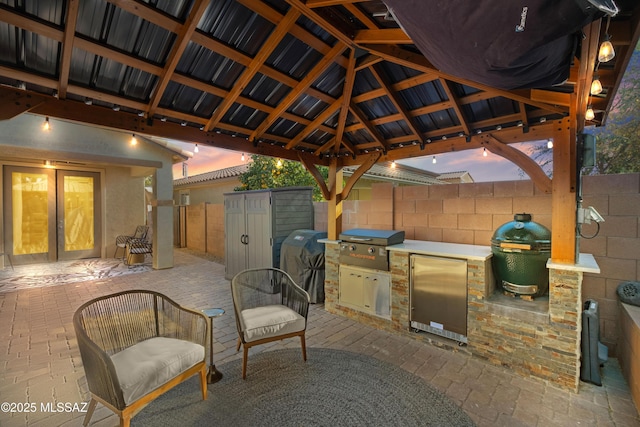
[[589, 114], [596, 85]]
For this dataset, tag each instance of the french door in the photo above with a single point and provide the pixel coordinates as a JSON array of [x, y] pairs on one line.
[[51, 214]]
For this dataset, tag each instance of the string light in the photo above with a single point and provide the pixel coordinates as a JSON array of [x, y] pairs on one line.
[[279, 163], [434, 160], [596, 85], [550, 143], [606, 52], [134, 140], [589, 114], [393, 164], [484, 152], [242, 157], [46, 126], [196, 149]]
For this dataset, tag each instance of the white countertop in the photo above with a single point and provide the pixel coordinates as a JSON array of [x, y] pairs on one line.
[[451, 250], [586, 263]]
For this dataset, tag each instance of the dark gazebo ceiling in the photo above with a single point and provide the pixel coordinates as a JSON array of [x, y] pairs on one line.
[[315, 79]]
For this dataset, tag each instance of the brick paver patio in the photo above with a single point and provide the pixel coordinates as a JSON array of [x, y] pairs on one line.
[[41, 364]]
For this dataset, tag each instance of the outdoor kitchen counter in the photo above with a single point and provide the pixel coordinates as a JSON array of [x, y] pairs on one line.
[[450, 250]]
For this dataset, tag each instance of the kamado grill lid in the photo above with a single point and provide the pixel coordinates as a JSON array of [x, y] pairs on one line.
[[373, 237]]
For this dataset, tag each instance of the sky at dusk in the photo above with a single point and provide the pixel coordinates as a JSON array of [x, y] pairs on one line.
[[482, 169]]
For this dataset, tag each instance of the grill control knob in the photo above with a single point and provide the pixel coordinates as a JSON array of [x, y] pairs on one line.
[[371, 250]]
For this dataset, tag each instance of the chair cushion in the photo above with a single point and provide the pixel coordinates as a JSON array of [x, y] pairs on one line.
[[270, 321], [147, 365]]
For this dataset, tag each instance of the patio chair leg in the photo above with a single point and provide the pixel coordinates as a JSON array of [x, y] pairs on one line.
[[304, 347], [203, 382], [239, 344], [244, 362], [90, 409]]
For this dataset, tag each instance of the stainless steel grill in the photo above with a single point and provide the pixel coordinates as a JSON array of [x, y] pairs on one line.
[[366, 248]]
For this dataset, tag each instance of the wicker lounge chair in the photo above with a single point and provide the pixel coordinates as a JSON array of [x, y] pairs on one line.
[[268, 306], [135, 345]]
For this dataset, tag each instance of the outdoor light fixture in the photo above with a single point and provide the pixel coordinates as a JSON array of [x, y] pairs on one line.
[[434, 160], [279, 163], [606, 52], [196, 149], [550, 143], [183, 124], [393, 164], [589, 114], [484, 152], [242, 157], [46, 126], [116, 108], [596, 86], [134, 141]]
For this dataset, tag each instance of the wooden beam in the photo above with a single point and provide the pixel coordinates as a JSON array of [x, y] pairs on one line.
[[382, 36], [183, 38], [67, 47], [16, 101], [263, 54], [375, 134], [369, 161], [455, 104], [346, 97], [321, 21], [334, 208], [520, 159], [325, 3], [307, 81], [322, 117], [397, 102], [313, 170], [563, 201]]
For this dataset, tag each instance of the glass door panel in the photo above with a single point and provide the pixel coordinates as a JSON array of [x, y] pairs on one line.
[[30, 226], [78, 215]]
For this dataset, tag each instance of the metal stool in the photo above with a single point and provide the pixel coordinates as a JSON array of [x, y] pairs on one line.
[[213, 375]]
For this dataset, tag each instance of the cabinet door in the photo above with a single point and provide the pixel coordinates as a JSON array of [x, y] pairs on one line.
[[351, 287], [377, 294], [235, 251], [259, 230]]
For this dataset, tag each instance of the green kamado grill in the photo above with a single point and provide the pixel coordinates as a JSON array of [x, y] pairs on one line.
[[520, 250]]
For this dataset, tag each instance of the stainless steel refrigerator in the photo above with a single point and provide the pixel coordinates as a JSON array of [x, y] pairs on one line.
[[438, 293]]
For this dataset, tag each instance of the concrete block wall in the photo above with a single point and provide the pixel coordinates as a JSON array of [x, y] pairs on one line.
[[616, 247]]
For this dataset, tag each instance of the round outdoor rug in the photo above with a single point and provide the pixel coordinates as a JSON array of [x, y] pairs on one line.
[[333, 388]]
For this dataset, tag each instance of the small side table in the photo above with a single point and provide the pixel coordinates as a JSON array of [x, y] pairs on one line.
[[213, 375]]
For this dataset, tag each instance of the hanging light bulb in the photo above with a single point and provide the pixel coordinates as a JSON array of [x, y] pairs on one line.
[[134, 140], [589, 114], [434, 160], [550, 143], [484, 152], [596, 86], [279, 163], [196, 149], [46, 126], [606, 52], [393, 164], [242, 157]]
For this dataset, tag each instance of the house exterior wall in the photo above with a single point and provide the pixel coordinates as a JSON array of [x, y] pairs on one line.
[[209, 192], [123, 170]]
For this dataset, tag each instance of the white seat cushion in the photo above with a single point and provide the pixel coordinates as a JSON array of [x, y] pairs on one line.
[[147, 365], [270, 321]]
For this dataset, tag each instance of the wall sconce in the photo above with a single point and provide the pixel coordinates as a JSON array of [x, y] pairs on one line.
[[196, 149], [46, 126], [134, 140]]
